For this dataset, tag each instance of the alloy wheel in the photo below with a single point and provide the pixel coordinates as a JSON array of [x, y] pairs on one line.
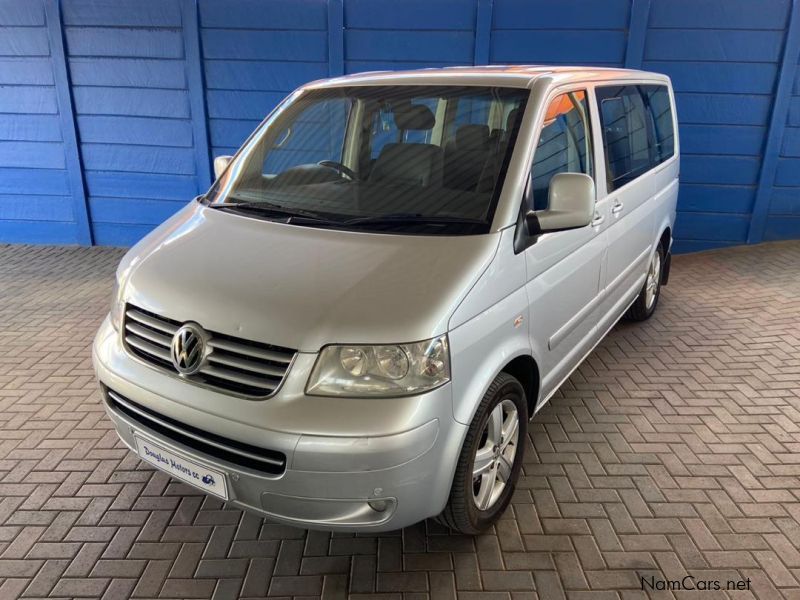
[[653, 276], [494, 458]]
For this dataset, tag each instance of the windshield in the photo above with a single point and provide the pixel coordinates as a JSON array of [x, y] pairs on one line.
[[400, 159]]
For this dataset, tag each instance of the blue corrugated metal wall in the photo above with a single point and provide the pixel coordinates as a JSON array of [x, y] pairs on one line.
[[110, 111]]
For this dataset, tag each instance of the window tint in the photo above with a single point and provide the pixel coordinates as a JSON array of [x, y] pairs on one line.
[[625, 135], [656, 98], [564, 145], [637, 130]]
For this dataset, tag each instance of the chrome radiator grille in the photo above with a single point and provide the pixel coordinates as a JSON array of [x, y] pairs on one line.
[[231, 364]]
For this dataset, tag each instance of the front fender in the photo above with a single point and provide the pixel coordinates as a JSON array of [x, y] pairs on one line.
[[489, 328], [486, 344]]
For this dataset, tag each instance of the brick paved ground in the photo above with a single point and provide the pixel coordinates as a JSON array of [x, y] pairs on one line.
[[674, 450]]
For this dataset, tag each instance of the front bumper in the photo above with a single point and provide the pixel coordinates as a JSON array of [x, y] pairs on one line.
[[377, 480]]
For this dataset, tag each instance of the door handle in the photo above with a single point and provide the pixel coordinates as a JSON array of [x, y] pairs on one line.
[[617, 208], [598, 219]]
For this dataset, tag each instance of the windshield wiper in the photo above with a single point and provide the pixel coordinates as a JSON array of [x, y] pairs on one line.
[[293, 215], [414, 219], [275, 210]]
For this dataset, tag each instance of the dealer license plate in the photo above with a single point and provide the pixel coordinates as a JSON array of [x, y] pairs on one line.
[[194, 473]]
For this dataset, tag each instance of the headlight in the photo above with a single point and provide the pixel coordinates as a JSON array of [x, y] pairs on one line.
[[115, 312], [381, 371]]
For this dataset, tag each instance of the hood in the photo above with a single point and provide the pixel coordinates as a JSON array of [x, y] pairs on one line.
[[301, 287]]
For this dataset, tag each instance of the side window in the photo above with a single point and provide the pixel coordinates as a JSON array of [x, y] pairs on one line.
[[564, 145], [638, 133], [626, 134], [317, 134], [656, 98]]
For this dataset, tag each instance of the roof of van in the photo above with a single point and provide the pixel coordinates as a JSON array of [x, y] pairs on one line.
[[494, 75]]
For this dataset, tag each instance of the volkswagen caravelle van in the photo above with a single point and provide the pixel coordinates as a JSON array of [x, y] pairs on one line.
[[353, 327]]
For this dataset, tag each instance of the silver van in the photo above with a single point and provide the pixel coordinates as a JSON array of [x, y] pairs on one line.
[[353, 327]]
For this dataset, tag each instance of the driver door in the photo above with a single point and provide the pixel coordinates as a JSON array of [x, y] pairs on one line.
[[564, 268]]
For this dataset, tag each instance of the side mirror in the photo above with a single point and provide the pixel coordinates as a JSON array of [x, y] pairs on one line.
[[220, 164], [570, 205]]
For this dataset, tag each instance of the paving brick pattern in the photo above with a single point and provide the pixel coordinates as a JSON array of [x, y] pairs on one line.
[[673, 450]]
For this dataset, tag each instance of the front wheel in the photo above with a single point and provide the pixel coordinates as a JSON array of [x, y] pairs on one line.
[[491, 459], [645, 304]]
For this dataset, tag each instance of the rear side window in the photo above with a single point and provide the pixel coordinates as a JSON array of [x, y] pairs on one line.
[[656, 98], [637, 130]]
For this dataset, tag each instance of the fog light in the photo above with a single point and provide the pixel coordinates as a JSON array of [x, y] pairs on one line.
[[377, 505]]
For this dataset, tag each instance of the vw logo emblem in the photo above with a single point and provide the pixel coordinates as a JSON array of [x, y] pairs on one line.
[[188, 349]]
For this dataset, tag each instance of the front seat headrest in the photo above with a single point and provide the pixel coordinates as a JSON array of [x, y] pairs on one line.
[[413, 116], [472, 136]]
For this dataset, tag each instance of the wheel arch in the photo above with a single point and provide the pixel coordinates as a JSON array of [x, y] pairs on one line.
[[526, 371], [666, 238], [522, 365], [666, 244]]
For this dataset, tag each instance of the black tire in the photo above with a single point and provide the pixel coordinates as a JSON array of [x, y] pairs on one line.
[[639, 311], [461, 513]]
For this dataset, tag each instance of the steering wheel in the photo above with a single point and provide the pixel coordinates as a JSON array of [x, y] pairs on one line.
[[340, 168]]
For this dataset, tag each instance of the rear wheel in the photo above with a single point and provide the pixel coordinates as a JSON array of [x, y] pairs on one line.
[[645, 304], [491, 459]]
